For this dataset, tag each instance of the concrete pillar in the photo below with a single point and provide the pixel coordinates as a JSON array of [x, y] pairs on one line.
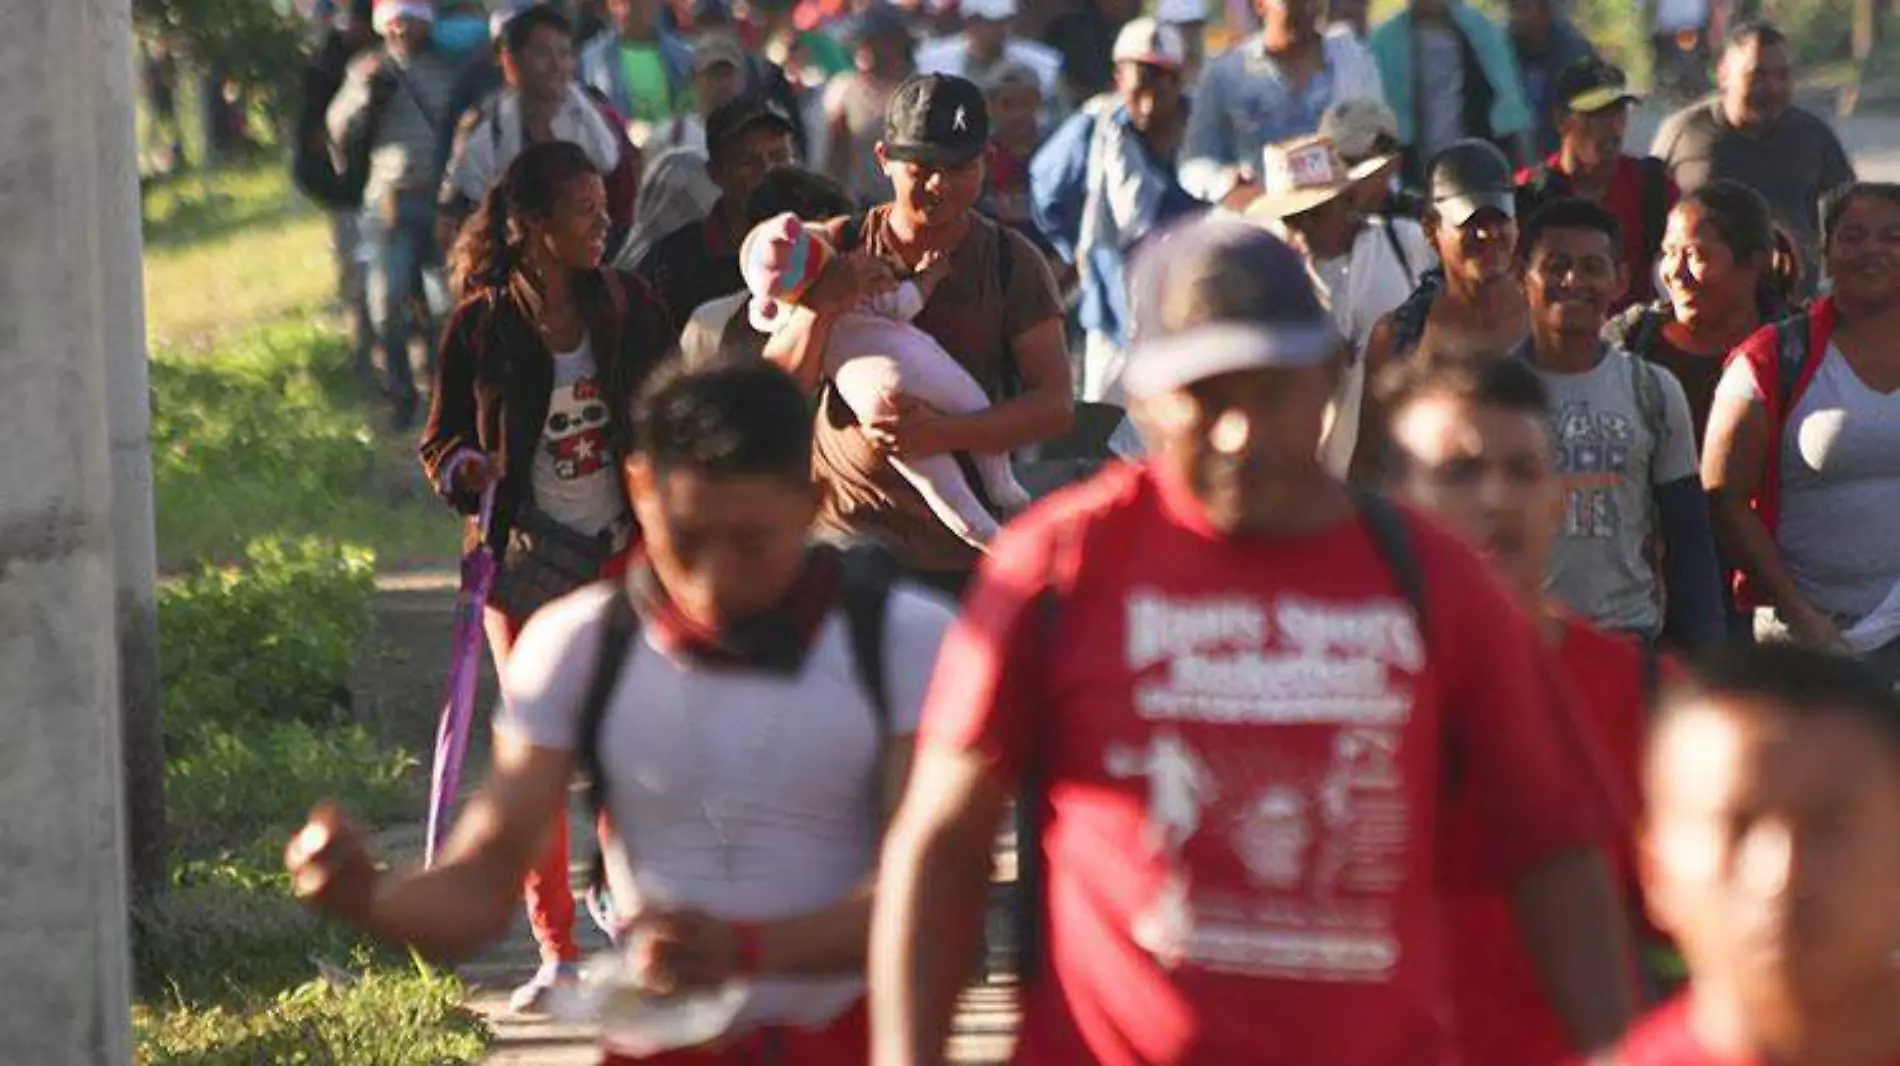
[[129, 416], [63, 969]]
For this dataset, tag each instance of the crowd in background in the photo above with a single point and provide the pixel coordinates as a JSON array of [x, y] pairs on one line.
[[1301, 774]]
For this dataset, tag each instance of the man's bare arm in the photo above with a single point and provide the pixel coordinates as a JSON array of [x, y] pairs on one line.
[[933, 884], [1574, 925], [463, 902]]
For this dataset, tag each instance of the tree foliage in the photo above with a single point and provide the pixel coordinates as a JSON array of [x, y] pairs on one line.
[[256, 44]]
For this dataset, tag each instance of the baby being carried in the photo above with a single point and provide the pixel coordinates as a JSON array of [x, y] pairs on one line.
[[874, 356]]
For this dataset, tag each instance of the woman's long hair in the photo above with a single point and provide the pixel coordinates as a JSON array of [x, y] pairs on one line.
[[1742, 219], [492, 247]]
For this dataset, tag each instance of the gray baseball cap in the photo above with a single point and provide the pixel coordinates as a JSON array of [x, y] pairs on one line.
[[1469, 176], [1215, 296]]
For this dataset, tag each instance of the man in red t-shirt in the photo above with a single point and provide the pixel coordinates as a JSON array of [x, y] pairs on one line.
[[1471, 444], [1244, 697], [1593, 102], [1773, 790]]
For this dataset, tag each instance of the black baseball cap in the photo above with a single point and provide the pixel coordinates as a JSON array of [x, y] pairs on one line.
[[936, 119], [1214, 296], [1593, 84], [1469, 176], [731, 119]]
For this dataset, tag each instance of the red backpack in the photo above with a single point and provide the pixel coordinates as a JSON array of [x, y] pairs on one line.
[[1783, 357]]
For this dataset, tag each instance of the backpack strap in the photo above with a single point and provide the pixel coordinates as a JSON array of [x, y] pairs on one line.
[[1649, 399], [1409, 320], [1393, 538], [617, 634], [1791, 354], [867, 574], [1649, 327], [1398, 247], [851, 237]]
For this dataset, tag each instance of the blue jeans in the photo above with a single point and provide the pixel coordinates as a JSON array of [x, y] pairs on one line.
[[400, 257]]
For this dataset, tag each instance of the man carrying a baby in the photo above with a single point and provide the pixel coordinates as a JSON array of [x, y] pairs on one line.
[[991, 305]]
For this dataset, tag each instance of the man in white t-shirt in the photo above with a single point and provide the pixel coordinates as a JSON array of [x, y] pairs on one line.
[[1363, 268], [745, 745]]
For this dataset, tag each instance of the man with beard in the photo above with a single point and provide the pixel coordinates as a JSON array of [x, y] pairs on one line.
[[1625, 445], [1592, 111], [1240, 854], [1773, 788], [1752, 132]]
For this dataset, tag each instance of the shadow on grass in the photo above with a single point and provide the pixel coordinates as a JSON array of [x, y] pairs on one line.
[[178, 218]]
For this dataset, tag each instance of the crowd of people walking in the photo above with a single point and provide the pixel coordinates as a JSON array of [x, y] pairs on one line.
[[1485, 591]]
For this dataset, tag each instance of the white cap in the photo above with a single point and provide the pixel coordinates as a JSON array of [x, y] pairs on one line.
[[1157, 44], [1175, 11], [993, 10], [386, 12]]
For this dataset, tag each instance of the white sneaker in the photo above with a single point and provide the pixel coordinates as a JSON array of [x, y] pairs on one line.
[[531, 998]]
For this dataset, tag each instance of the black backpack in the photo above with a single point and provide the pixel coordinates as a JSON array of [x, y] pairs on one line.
[[866, 576], [1409, 318], [1392, 539]]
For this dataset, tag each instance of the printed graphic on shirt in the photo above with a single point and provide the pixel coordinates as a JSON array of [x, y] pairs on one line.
[[1310, 814], [1594, 449], [575, 435]]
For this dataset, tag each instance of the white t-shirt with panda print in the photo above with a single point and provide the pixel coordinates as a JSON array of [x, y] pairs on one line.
[[574, 462]]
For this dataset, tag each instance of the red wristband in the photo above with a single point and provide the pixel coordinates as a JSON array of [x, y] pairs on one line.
[[748, 948]]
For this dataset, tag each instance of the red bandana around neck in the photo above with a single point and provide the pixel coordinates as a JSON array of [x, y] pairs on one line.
[[773, 641]]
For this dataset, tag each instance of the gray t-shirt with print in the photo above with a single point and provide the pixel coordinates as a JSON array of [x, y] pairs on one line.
[[1617, 438]]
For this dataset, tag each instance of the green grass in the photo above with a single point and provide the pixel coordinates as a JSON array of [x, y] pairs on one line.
[[276, 498], [403, 1018], [228, 251], [270, 436]]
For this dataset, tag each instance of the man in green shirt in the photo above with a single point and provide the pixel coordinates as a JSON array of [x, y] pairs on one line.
[[642, 68]]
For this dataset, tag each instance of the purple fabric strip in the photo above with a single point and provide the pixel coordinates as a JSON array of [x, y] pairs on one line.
[[465, 671]]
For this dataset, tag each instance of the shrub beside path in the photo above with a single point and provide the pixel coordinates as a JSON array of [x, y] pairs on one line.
[[398, 688]]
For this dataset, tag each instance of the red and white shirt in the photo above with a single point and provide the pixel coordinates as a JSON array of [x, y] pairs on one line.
[[1247, 746]]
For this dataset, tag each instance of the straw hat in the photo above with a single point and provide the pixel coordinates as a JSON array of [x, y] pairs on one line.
[[1299, 175]]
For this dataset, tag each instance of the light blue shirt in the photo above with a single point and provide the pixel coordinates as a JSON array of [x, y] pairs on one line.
[[1245, 103]]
